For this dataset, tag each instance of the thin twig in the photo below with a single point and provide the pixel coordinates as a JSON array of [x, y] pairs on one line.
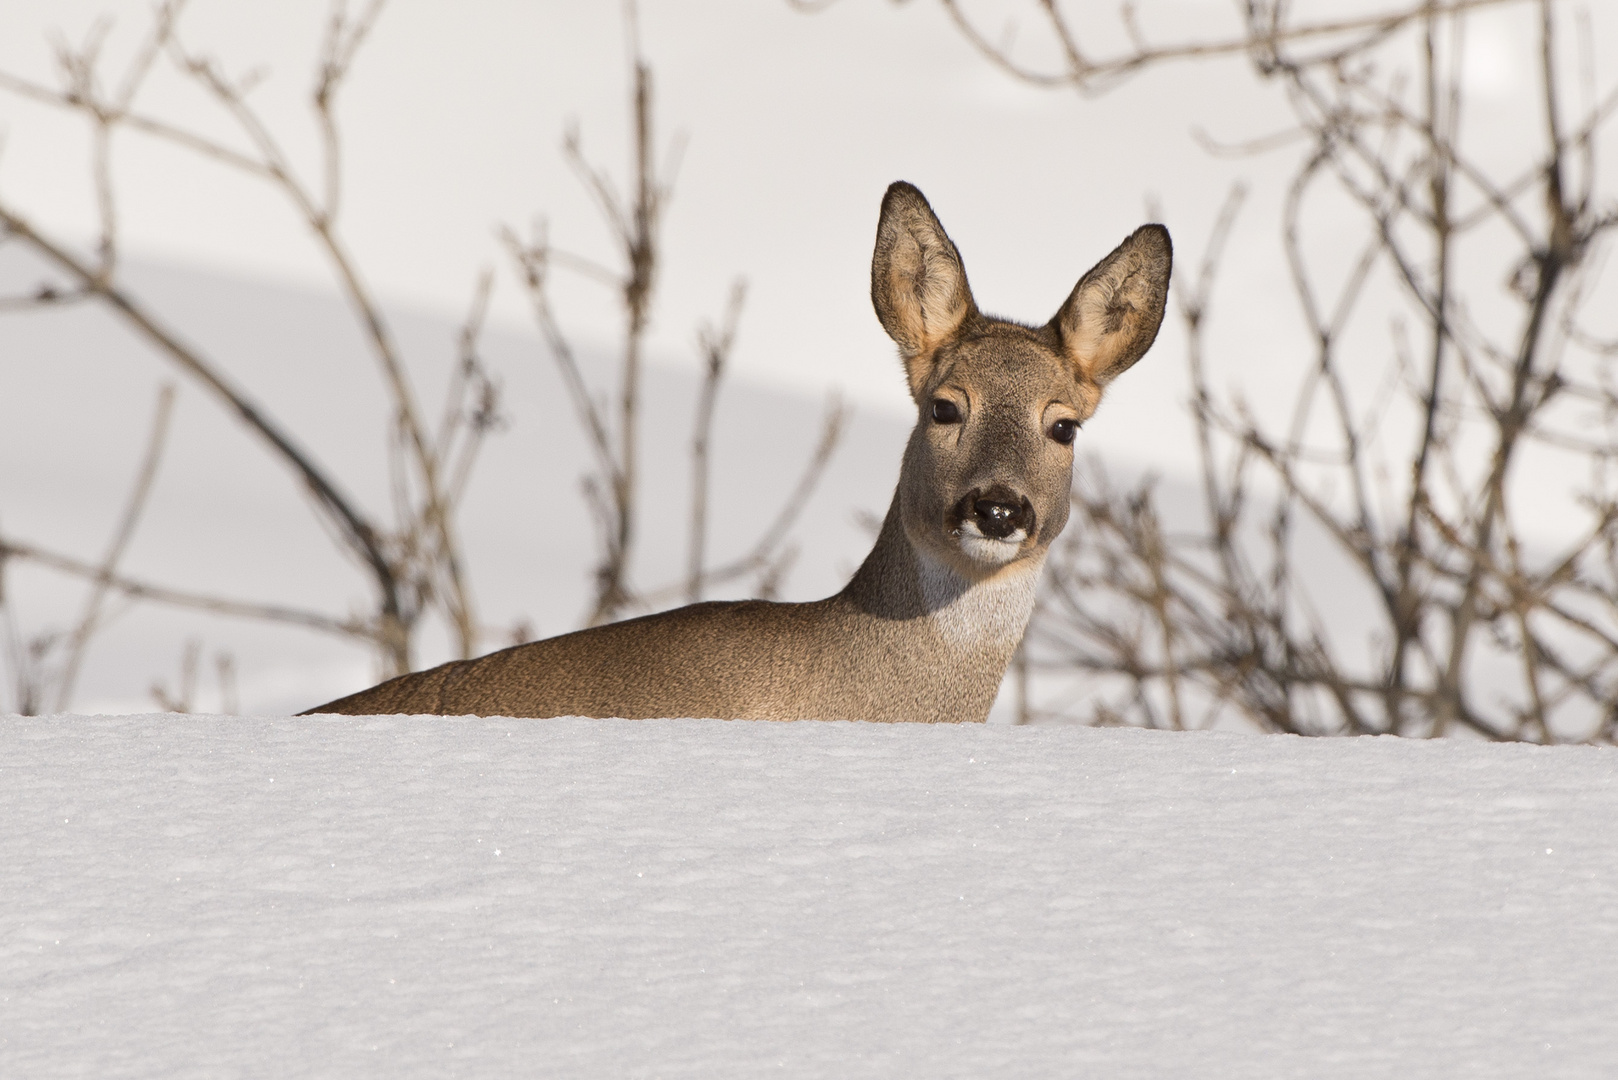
[[715, 346], [136, 589], [89, 619]]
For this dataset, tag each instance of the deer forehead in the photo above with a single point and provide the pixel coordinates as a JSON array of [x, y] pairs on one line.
[[1012, 368]]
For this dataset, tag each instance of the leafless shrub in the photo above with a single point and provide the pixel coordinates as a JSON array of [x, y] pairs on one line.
[[612, 431], [1412, 486], [414, 568]]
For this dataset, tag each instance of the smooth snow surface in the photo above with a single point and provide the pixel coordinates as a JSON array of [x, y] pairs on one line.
[[407, 897]]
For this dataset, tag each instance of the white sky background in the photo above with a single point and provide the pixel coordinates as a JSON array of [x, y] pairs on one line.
[[453, 119]]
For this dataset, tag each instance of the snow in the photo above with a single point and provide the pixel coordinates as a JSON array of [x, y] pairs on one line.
[[403, 897]]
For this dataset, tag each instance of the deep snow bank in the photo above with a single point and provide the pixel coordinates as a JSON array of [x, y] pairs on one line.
[[427, 897]]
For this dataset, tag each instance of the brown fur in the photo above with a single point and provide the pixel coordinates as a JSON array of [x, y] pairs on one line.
[[925, 629]]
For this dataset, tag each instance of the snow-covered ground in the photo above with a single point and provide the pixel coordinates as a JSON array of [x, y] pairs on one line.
[[405, 897]]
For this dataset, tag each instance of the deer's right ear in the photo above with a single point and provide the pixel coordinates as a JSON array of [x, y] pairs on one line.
[[918, 285]]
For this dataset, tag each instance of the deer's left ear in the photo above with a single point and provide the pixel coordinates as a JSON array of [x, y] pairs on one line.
[[1113, 314]]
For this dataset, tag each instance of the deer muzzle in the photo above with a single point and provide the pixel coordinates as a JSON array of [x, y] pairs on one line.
[[992, 523]]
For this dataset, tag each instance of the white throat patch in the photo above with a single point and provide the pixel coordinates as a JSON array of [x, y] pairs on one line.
[[988, 613]]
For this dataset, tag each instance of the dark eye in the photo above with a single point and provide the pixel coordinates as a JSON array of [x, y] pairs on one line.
[[946, 412], [1064, 430]]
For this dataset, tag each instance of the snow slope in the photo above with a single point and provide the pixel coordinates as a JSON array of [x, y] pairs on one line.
[[406, 897]]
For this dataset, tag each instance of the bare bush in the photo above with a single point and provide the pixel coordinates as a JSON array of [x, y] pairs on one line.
[[1431, 404], [414, 568], [613, 432]]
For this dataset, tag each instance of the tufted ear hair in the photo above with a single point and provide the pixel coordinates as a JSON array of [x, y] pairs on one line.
[[918, 284], [1114, 312]]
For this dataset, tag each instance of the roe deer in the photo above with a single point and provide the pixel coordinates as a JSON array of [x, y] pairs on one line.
[[925, 629]]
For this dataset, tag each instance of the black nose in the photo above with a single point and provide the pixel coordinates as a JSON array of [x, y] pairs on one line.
[[999, 512]]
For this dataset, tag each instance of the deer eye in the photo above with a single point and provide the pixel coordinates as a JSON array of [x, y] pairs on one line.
[[1064, 430], [946, 412]]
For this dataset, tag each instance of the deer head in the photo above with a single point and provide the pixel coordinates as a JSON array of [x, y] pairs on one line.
[[987, 471]]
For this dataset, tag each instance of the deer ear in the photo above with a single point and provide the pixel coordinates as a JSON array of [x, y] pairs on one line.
[[918, 285], [1112, 316]]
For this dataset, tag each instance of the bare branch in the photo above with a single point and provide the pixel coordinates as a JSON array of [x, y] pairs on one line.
[[359, 534], [715, 346], [765, 557], [142, 590], [1092, 76], [533, 263], [89, 620]]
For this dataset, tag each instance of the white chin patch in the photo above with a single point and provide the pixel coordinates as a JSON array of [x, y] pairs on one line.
[[988, 549]]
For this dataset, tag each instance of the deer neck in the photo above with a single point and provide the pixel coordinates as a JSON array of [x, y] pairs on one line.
[[980, 620]]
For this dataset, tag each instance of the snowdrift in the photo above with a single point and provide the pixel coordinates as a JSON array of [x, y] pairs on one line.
[[417, 897]]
